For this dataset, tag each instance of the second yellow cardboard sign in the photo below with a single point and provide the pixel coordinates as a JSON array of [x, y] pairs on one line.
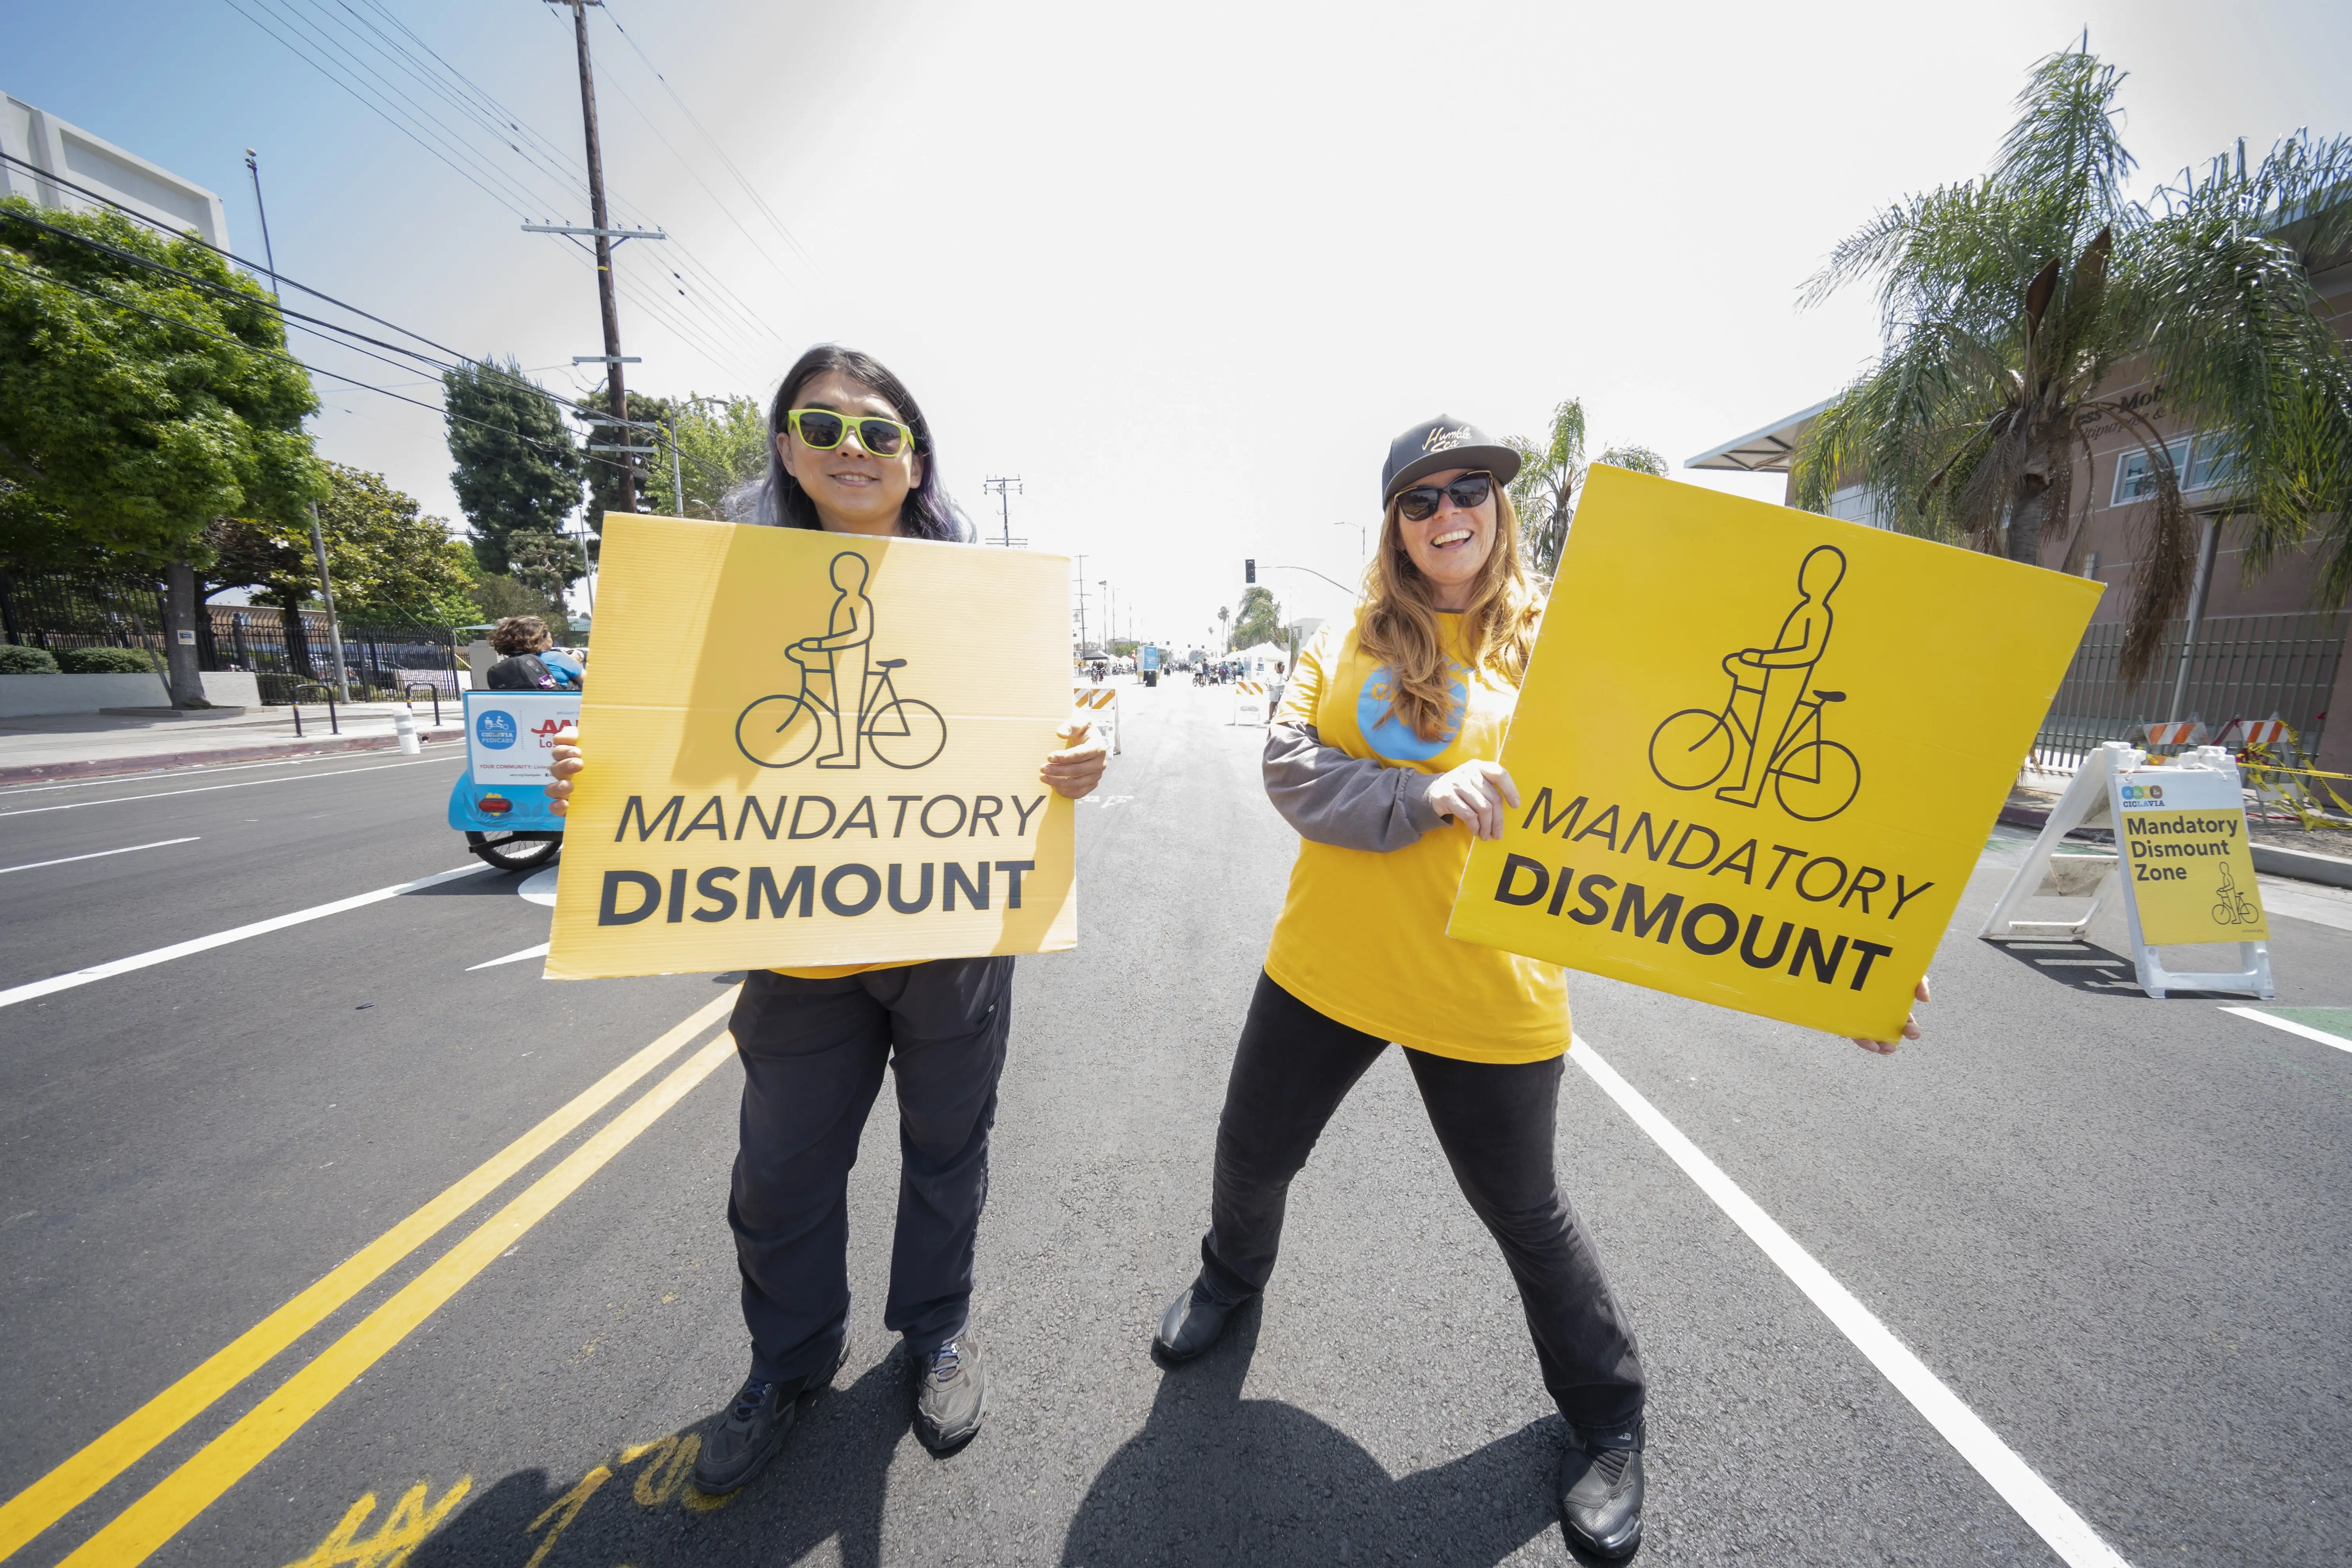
[[1760, 751]]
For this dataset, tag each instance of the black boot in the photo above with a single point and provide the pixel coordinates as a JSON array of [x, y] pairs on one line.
[[1194, 1321], [754, 1426], [1600, 1497]]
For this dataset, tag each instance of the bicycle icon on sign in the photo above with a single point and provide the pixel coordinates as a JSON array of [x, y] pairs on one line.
[[2235, 908], [781, 730], [1773, 710]]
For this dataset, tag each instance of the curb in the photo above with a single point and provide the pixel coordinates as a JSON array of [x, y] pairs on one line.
[[153, 762], [2276, 860], [2309, 865]]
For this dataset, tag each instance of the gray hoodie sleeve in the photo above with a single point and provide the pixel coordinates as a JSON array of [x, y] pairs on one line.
[[1331, 797]]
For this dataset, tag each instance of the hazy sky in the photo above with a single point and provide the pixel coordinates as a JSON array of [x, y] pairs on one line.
[[1184, 269]]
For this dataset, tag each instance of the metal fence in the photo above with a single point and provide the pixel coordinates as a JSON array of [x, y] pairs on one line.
[[2243, 666], [281, 650]]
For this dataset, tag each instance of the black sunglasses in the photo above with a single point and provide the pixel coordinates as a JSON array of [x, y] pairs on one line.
[[1419, 504]]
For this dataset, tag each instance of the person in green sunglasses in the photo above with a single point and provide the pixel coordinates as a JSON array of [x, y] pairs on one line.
[[851, 454]]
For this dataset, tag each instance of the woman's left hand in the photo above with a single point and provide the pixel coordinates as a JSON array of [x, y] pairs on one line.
[[1074, 771], [1910, 1027]]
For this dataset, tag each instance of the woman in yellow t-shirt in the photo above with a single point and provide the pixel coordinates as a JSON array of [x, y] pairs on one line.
[[1386, 736]]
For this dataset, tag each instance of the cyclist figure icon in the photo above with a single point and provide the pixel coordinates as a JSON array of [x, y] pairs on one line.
[[1770, 724], [2235, 908], [845, 695]]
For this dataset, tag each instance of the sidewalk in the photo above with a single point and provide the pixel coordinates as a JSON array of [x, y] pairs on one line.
[[82, 745]]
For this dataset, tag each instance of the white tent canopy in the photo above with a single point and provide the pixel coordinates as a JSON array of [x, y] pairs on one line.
[[1265, 653]]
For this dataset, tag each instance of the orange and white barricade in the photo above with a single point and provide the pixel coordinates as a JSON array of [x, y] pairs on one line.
[[2181, 732], [2243, 733], [1249, 701], [1100, 706]]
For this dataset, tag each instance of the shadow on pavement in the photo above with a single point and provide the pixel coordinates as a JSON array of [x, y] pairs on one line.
[[639, 1507], [2093, 970], [1215, 1478]]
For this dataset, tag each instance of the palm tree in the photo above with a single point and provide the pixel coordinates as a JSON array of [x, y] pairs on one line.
[[1550, 477], [1225, 614], [2010, 303]]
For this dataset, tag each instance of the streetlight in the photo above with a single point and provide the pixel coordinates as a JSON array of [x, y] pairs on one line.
[[1362, 549]]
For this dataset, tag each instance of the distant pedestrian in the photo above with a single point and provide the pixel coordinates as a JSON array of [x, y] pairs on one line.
[[1382, 758], [849, 452]]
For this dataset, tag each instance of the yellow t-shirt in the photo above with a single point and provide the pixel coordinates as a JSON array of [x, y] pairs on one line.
[[1362, 934]]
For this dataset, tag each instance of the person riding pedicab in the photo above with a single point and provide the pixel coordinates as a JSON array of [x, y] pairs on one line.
[[850, 453], [1382, 758]]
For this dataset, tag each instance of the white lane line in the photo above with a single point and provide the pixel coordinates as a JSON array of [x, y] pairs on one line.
[[152, 776], [2068, 1533], [2292, 1027], [56, 982], [538, 952], [98, 854], [241, 784]]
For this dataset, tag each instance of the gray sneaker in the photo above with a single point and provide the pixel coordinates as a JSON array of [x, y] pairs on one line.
[[951, 1394], [753, 1427]]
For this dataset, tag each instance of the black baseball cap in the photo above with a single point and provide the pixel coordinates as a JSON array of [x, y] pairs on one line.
[[1435, 445]]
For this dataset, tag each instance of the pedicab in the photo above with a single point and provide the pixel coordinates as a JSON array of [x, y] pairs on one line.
[[500, 802]]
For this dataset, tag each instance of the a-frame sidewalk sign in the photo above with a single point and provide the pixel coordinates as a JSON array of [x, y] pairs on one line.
[[2186, 875]]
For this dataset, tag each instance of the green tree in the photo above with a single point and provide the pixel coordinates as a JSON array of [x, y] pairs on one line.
[[545, 566], [497, 597], [603, 469], [516, 467], [2010, 302], [1551, 478], [391, 564], [1223, 616], [722, 443], [145, 393], [1259, 619]]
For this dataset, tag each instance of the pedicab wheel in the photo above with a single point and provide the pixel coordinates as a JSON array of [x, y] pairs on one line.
[[511, 851]]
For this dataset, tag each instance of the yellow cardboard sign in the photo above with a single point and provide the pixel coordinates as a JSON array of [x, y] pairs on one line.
[[734, 814], [2182, 837], [1894, 684]]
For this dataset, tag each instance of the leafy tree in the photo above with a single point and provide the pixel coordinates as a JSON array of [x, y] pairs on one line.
[[2011, 304], [498, 597], [1260, 618], [144, 391], [604, 469], [1225, 614], [389, 562], [1552, 477], [544, 565], [516, 467], [722, 443]]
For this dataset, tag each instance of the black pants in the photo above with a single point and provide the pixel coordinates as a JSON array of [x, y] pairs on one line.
[[1497, 1122], [813, 1055]]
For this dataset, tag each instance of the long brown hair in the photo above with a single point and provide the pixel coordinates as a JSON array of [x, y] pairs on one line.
[[1400, 627]]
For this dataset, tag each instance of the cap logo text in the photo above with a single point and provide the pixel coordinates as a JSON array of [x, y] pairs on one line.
[[1441, 439]]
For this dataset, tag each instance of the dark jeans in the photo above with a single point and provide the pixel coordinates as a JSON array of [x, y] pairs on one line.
[[1497, 1122], [813, 1055]]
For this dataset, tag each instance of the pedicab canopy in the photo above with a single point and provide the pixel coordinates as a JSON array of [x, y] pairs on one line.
[[799, 756], [1760, 751]]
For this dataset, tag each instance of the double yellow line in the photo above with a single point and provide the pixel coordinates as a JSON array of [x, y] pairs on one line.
[[165, 1509]]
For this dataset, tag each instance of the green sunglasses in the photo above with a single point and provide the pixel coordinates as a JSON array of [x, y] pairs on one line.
[[822, 429]]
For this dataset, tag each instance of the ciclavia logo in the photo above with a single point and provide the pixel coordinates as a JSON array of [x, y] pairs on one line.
[[1770, 726], [495, 728], [846, 696], [2143, 794]]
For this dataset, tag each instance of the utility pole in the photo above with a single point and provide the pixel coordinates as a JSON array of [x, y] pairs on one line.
[[1082, 606], [1004, 490], [601, 228], [317, 534]]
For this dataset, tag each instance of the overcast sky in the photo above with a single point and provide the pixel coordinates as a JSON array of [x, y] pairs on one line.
[[1183, 269]]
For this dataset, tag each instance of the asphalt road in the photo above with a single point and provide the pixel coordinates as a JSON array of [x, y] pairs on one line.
[[2118, 1231]]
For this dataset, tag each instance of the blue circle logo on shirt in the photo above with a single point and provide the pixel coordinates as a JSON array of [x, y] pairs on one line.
[[1389, 735], [495, 729]]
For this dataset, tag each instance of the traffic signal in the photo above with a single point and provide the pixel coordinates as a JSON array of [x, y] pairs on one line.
[[1249, 571]]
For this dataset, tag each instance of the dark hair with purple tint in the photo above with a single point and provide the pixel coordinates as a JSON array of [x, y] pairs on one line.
[[781, 503]]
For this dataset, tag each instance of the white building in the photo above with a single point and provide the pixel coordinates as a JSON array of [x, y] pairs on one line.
[[38, 143]]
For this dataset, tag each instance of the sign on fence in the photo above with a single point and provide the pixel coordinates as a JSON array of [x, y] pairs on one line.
[[796, 758], [1760, 751]]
